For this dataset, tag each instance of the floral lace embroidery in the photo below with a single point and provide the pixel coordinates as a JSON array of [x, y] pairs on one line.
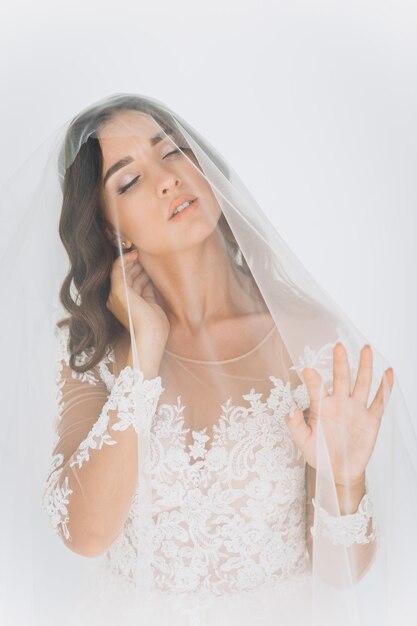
[[137, 400], [55, 498], [322, 359], [62, 333], [233, 519], [129, 393], [345, 530]]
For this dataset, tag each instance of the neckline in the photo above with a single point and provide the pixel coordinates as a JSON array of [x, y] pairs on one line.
[[183, 358]]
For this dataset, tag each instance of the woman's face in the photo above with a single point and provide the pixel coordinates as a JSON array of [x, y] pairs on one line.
[[143, 175]]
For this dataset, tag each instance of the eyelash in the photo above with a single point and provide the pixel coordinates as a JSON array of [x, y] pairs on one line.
[[132, 182]]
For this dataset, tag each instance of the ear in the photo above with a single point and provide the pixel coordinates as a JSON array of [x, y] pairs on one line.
[[111, 236], [109, 233]]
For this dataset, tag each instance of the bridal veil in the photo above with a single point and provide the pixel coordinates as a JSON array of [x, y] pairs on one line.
[[252, 537]]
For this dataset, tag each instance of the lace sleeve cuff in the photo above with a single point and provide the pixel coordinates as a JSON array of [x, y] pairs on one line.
[[136, 398], [345, 530]]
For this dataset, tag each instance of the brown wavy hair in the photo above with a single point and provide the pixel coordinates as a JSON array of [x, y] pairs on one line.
[[82, 225]]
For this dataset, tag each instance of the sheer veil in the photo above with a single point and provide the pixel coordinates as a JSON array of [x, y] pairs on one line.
[[267, 539]]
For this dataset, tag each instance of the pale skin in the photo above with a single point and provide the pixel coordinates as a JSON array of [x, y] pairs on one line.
[[180, 276], [351, 429], [351, 449], [181, 282]]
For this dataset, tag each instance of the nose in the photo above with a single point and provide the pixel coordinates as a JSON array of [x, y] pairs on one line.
[[167, 180]]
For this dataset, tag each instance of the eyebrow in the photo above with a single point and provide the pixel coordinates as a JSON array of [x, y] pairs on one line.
[[128, 159]]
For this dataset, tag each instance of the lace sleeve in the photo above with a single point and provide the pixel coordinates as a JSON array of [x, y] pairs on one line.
[[348, 529], [91, 408]]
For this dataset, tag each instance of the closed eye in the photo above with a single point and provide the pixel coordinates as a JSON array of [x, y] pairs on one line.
[[126, 187], [133, 181], [177, 151]]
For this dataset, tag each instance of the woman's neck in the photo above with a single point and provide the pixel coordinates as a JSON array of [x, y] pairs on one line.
[[199, 286]]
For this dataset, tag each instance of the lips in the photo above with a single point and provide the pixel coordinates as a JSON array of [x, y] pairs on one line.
[[178, 201]]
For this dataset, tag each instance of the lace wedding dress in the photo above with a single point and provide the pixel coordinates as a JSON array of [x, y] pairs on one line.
[[229, 505], [183, 499]]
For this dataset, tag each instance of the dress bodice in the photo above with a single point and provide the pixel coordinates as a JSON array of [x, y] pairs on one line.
[[228, 510], [228, 500]]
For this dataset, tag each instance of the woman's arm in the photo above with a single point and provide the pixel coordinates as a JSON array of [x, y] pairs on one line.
[[360, 555], [90, 488], [350, 429]]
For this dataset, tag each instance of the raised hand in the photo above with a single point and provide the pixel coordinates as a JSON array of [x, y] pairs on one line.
[[148, 317], [350, 426]]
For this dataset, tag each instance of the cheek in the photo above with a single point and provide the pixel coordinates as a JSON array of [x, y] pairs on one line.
[[143, 224], [214, 206], [201, 183]]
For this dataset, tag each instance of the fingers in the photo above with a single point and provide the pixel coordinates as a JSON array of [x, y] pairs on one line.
[[135, 270], [341, 371], [129, 266], [364, 376], [124, 261], [315, 386], [140, 281], [299, 430], [129, 262], [382, 395], [129, 257]]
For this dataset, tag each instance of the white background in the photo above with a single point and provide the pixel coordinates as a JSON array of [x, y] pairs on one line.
[[313, 103]]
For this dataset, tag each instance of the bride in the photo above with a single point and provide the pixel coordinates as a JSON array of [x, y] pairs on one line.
[[219, 432]]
